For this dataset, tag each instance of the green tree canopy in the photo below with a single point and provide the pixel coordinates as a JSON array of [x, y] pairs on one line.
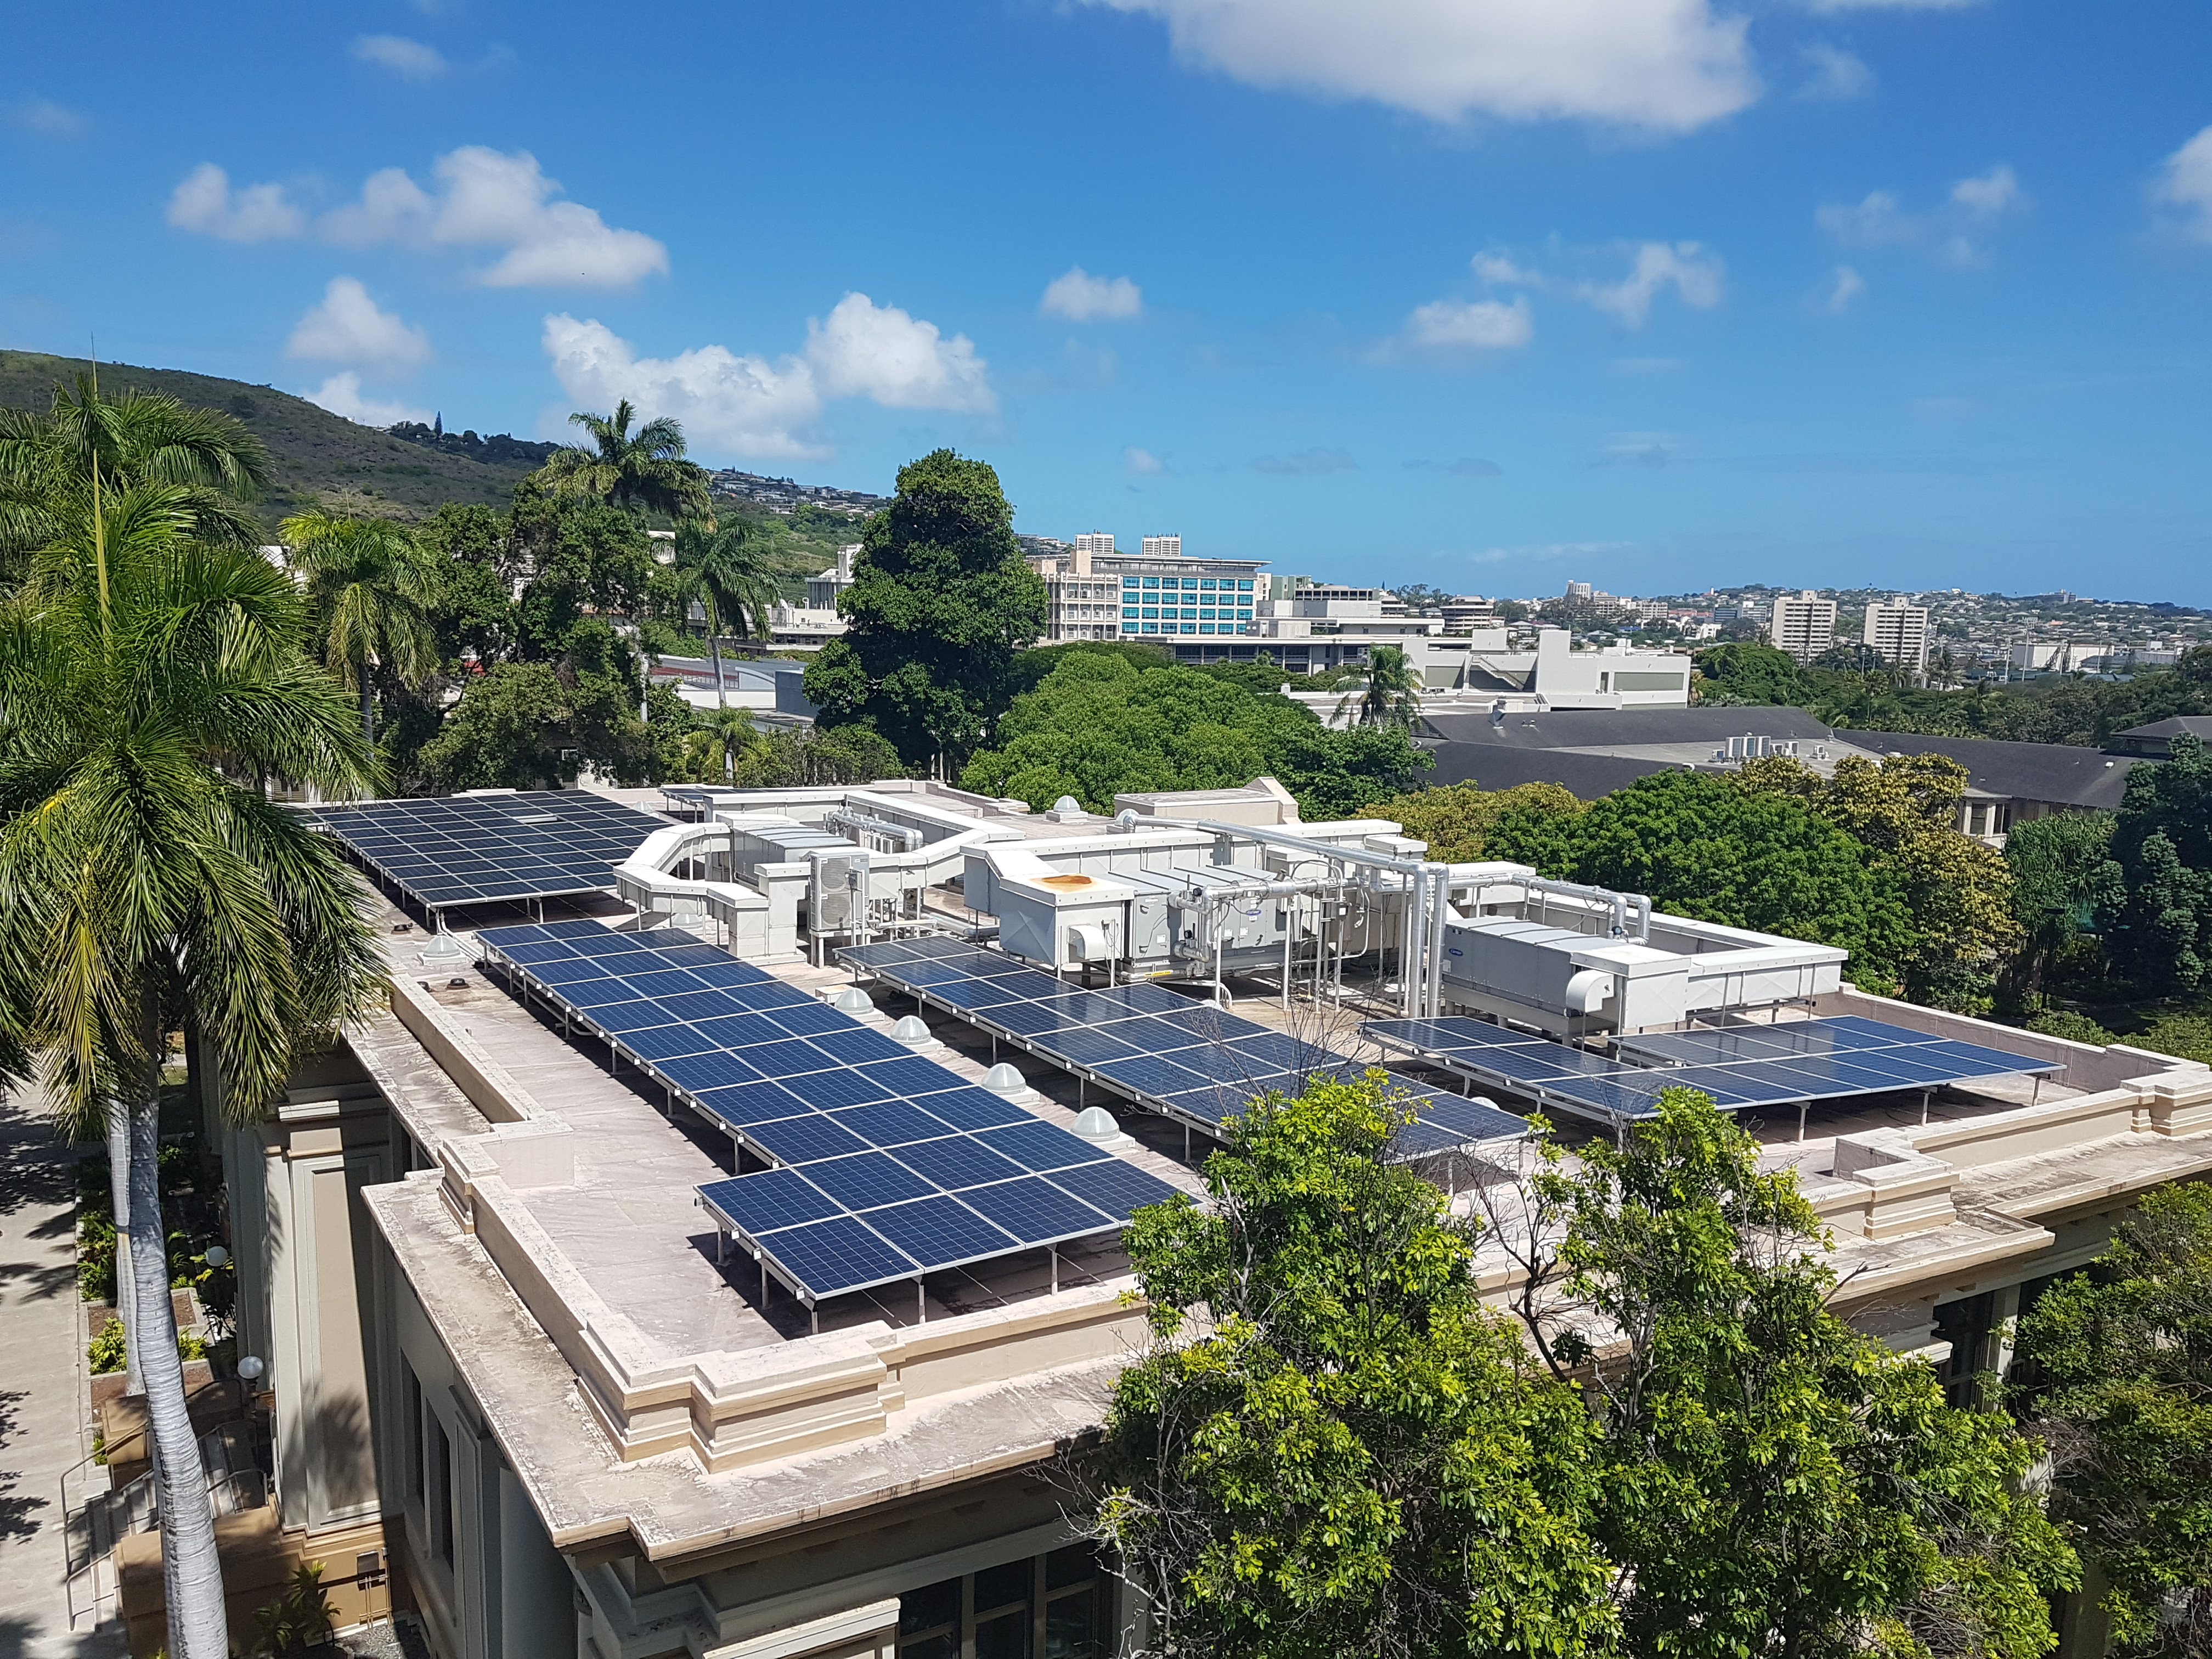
[[1098, 724], [1457, 819], [48, 464], [1958, 892], [2115, 1369], [1333, 1450], [640, 471], [1699, 844], [2064, 879], [1751, 673], [1390, 692], [1768, 1480], [2163, 841], [374, 589], [940, 602]]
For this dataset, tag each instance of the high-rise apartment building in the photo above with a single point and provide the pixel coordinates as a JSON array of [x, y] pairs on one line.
[[1163, 547], [1804, 624], [1094, 542], [1097, 593], [1897, 632]]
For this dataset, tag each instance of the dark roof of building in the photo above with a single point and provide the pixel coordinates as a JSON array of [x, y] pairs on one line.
[[2063, 774], [1627, 728], [2175, 726], [1494, 766]]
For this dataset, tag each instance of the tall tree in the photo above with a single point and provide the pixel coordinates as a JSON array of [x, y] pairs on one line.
[[641, 472], [1391, 693], [720, 745], [940, 604], [726, 569], [1333, 1450], [2162, 932], [148, 683], [47, 464], [1958, 892], [2114, 1368], [2065, 878], [1769, 1481], [374, 590], [1457, 819]]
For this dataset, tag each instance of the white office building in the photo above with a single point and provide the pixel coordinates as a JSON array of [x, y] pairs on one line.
[[1897, 632], [1804, 624], [1163, 547], [1094, 543]]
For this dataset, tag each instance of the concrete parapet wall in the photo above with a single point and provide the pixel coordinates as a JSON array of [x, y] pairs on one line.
[[489, 1085], [2088, 1067]]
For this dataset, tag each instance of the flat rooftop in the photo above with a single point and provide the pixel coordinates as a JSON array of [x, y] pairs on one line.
[[630, 1224]]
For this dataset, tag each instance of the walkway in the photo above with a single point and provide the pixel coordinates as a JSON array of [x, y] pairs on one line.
[[43, 1409]]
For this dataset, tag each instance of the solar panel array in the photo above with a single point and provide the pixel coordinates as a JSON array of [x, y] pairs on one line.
[[471, 849], [1187, 1060], [890, 1165], [1738, 1065]]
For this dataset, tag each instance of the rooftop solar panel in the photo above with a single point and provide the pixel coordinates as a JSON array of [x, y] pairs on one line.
[[843, 1098], [940, 1231], [1193, 1061], [471, 849], [1797, 1061], [836, 1255], [1034, 1211], [1110, 1185]]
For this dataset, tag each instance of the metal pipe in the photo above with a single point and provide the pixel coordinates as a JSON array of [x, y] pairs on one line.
[[1440, 911], [1409, 967]]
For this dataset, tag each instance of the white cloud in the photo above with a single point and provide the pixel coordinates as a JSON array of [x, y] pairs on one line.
[[745, 404], [348, 327], [1836, 74], [1697, 278], [1669, 65], [1499, 268], [205, 202], [866, 350], [1142, 462], [484, 199], [1080, 297], [43, 115], [1988, 194], [341, 395], [1954, 229], [751, 405], [2185, 182], [1840, 292], [411, 60], [1470, 325], [491, 199]]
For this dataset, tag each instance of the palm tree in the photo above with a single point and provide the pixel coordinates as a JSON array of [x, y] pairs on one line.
[[148, 683], [46, 463], [1391, 696], [372, 587], [644, 471], [721, 744], [725, 570]]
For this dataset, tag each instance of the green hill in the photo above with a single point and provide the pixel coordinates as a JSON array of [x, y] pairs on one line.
[[318, 457]]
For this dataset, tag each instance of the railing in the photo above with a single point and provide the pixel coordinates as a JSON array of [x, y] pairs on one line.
[[102, 1515]]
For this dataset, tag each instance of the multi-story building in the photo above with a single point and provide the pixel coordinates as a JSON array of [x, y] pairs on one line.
[[1190, 604], [1804, 624], [1897, 632], [821, 591], [521, 1377]]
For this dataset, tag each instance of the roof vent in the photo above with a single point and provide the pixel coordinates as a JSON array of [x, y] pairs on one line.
[[853, 1000], [1004, 1079], [912, 1029], [1096, 1123]]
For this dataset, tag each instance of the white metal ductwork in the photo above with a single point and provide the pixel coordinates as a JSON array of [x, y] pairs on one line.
[[1588, 991]]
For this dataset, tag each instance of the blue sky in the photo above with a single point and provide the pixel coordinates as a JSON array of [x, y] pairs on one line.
[[1486, 293]]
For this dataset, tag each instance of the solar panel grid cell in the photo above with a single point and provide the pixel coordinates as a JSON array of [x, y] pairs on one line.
[[836, 1255], [940, 1231], [1033, 1209]]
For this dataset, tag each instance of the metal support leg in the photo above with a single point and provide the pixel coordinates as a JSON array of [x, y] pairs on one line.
[[1054, 1252], [1926, 1095], [763, 1267], [813, 1320], [1078, 1094], [1803, 1106], [920, 1304], [1186, 1142]]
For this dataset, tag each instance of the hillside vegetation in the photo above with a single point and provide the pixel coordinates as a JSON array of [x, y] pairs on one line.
[[318, 458]]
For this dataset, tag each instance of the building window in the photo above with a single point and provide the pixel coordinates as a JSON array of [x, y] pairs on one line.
[[1207, 582], [414, 1446], [1043, 1606], [1128, 612], [1205, 616], [1206, 628], [439, 1499], [1244, 585], [1190, 627], [1152, 628], [1977, 817], [1244, 616], [1190, 616], [1151, 581]]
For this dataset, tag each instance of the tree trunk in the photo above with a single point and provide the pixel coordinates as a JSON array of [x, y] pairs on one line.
[[192, 1573], [367, 712], [119, 1195], [714, 645]]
